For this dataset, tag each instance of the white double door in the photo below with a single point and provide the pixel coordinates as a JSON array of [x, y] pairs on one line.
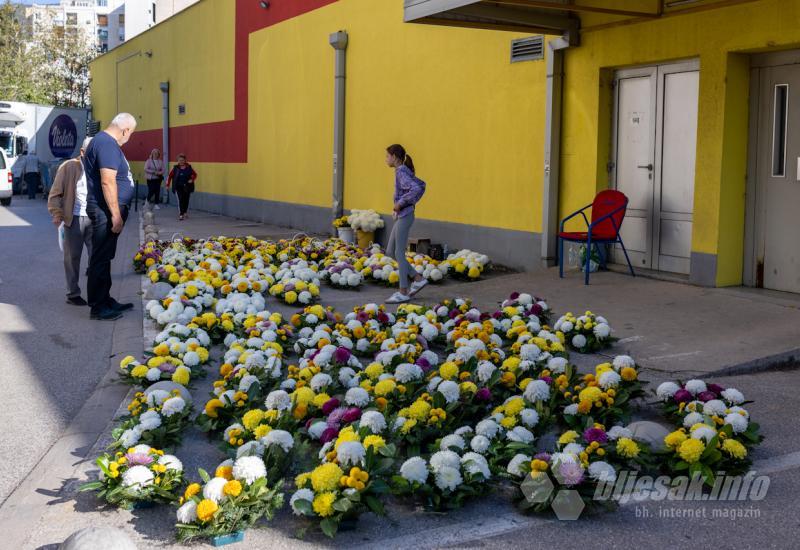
[[653, 162]]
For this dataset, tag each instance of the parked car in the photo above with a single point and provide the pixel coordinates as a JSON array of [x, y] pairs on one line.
[[6, 180]]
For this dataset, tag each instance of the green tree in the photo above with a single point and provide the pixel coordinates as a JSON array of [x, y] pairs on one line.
[[18, 78], [64, 55]]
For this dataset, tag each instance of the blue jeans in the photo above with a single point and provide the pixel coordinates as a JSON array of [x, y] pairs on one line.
[[104, 248], [397, 245]]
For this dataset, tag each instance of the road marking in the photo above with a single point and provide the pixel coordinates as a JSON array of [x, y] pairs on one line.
[[673, 356], [630, 339]]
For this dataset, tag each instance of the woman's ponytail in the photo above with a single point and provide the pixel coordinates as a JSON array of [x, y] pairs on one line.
[[399, 151]]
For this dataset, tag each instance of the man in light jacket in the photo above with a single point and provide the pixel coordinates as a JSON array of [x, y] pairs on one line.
[[31, 173], [67, 203]]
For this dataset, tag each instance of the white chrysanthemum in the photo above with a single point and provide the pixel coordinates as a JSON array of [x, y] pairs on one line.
[[153, 374], [623, 361], [249, 469], [529, 352], [574, 449], [301, 494], [695, 386], [449, 390], [149, 420], [130, 437], [320, 381], [520, 434], [485, 371], [529, 417], [415, 469], [358, 397], [487, 428], [737, 421], [571, 409], [187, 513], [157, 397], [704, 432], [601, 331], [280, 438], [213, 490], [536, 390], [171, 462], [278, 400], [609, 379], [464, 431], [617, 432], [579, 341], [351, 453], [515, 464], [557, 365], [714, 407], [448, 478], [173, 405], [374, 421], [442, 459], [479, 443], [733, 396], [250, 448], [142, 449], [666, 390], [316, 429], [137, 477], [476, 464], [408, 372], [602, 471], [452, 440], [692, 418], [191, 359], [247, 381]]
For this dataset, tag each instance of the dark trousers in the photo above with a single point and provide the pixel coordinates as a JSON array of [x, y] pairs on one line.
[[104, 248], [32, 180], [154, 191], [183, 199]]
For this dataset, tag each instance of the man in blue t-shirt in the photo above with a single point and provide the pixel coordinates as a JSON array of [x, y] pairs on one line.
[[109, 194]]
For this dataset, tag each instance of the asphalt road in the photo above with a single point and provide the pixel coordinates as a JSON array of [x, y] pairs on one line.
[[51, 355]]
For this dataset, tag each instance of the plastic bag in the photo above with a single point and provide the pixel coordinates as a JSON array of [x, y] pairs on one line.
[[61, 234], [594, 259]]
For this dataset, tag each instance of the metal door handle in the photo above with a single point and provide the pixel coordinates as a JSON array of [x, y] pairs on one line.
[[648, 166]]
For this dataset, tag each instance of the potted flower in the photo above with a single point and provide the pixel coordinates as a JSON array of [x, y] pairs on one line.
[[344, 230], [365, 222]]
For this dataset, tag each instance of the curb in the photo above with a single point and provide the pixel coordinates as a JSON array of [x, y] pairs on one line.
[[776, 362], [24, 507]]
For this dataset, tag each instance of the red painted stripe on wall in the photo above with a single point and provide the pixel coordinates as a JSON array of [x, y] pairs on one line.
[[225, 141]]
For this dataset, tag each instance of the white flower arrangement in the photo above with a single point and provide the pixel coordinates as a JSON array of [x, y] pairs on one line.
[[365, 220]]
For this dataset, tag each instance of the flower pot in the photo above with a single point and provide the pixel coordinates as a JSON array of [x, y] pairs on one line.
[[365, 239], [347, 234], [230, 538]]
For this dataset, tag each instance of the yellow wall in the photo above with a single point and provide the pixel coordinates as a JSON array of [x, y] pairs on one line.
[[471, 120], [714, 37]]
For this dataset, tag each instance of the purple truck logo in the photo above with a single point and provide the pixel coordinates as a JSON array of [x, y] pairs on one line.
[[63, 136]]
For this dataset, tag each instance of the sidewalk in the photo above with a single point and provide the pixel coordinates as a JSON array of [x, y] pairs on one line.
[[671, 329]]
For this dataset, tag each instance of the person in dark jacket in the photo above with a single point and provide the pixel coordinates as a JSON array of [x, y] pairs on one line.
[[183, 177]]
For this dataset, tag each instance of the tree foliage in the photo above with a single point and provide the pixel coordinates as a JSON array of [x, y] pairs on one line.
[[43, 64]]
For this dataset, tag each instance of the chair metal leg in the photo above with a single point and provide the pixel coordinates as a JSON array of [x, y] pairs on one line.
[[624, 251], [560, 258], [588, 261]]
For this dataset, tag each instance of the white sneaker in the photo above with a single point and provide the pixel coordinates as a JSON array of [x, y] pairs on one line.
[[156, 207], [397, 298], [416, 286]]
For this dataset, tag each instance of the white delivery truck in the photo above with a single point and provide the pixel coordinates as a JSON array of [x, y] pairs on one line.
[[53, 133]]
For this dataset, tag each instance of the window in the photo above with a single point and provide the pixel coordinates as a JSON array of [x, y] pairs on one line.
[[102, 3], [72, 19], [781, 111], [102, 20], [153, 10], [121, 19]]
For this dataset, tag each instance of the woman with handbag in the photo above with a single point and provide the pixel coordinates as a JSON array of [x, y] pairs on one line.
[[183, 176], [154, 173]]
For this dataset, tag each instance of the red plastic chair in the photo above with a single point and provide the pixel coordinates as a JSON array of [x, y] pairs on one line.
[[608, 212]]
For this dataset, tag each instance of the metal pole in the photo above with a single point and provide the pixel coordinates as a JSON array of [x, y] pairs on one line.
[[339, 42], [164, 86]]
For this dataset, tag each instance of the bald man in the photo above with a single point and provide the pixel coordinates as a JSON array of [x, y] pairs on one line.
[[110, 192]]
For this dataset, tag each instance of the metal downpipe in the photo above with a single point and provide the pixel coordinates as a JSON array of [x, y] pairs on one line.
[[339, 42]]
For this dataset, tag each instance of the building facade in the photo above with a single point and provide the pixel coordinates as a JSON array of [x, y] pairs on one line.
[[683, 106]]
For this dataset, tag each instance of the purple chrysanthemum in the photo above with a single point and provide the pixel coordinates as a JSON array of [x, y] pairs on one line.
[[595, 434]]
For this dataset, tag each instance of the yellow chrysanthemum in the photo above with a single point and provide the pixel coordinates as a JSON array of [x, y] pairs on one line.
[[303, 396], [206, 510], [323, 504], [691, 449], [673, 440], [627, 447], [212, 406], [224, 472], [252, 419], [374, 441], [301, 479], [734, 448], [374, 370], [326, 477], [419, 410], [191, 490], [262, 430], [568, 437], [514, 406], [233, 488], [591, 394], [181, 376], [139, 371], [448, 370], [385, 387]]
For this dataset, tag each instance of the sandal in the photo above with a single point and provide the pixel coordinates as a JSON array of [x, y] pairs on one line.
[[397, 298]]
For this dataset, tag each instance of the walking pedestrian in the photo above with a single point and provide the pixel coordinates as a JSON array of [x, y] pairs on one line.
[[154, 173], [31, 173], [408, 190], [110, 192], [17, 173], [67, 203], [183, 176]]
